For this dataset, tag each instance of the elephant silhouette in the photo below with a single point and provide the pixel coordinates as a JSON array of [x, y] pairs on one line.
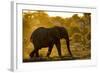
[[47, 37]]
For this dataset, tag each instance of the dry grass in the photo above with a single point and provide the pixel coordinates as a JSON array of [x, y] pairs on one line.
[[78, 53]]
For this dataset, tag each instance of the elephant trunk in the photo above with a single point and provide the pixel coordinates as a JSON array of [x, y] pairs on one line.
[[68, 45]]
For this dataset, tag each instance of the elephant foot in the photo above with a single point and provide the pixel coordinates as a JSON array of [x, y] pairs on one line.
[[31, 55]]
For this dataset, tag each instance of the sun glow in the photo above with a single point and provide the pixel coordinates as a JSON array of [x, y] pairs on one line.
[[63, 14], [54, 14]]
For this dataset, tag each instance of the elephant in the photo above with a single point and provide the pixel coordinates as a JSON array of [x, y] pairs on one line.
[[47, 37]]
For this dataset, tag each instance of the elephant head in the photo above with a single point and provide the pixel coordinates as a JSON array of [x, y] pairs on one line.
[[62, 33]]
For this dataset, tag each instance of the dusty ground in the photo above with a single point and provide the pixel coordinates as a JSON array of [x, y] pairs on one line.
[[78, 53]]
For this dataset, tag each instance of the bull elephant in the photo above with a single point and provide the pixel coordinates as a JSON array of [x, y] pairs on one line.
[[47, 37]]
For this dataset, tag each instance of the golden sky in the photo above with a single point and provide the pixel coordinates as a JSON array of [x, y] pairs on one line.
[[61, 14]]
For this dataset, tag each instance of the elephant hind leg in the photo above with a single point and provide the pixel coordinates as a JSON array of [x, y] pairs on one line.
[[37, 53], [32, 53]]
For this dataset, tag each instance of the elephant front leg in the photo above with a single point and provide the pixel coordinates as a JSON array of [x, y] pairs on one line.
[[49, 50], [58, 45]]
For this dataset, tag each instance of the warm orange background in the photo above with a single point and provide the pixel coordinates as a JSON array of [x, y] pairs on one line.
[[79, 29]]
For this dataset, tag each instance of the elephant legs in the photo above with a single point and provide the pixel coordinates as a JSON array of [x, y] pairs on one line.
[[34, 53], [49, 50], [58, 45], [37, 53]]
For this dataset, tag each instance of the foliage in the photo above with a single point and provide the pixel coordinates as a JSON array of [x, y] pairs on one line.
[[79, 29]]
